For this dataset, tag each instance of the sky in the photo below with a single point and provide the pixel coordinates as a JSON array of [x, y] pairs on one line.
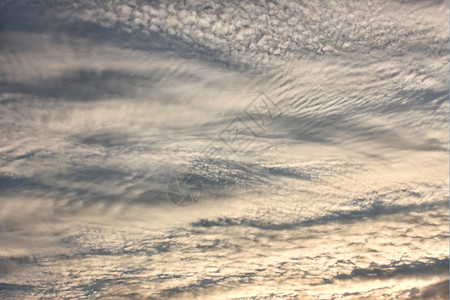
[[224, 150]]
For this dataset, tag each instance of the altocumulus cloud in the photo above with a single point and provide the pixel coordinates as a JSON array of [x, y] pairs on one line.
[[343, 195]]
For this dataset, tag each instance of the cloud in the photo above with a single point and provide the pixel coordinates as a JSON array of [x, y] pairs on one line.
[[341, 195], [438, 290]]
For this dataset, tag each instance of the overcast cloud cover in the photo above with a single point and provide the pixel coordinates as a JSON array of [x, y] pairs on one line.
[[341, 194]]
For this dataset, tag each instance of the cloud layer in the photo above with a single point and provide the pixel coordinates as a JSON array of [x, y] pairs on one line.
[[339, 190]]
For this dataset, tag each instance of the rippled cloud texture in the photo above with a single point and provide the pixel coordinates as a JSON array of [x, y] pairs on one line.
[[342, 195]]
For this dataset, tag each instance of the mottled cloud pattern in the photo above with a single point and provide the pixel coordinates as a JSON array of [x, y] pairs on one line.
[[339, 192]]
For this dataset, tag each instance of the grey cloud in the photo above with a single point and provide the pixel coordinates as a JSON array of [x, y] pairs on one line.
[[82, 85], [374, 210], [420, 268], [434, 291]]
